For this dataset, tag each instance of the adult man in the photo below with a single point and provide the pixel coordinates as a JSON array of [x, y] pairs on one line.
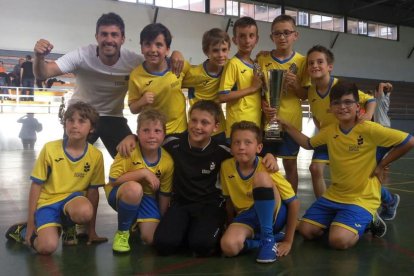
[[27, 79], [102, 73]]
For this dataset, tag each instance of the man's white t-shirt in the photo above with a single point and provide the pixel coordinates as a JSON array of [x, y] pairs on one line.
[[102, 86]]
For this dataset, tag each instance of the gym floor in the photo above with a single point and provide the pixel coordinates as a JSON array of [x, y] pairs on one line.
[[391, 255]]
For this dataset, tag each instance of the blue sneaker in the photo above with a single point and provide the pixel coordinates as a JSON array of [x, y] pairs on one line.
[[378, 227], [17, 232], [389, 211], [267, 251]]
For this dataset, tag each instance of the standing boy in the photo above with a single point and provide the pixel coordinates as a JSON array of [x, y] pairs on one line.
[[203, 80], [348, 205], [253, 195], [284, 57], [135, 181], [152, 84], [196, 216], [63, 172], [240, 85]]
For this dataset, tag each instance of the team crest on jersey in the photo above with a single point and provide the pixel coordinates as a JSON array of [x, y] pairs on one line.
[[360, 140], [336, 136], [158, 173], [243, 71], [231, 176], [148, 83], [205, 83], [267, 65], [87, 167], [249, 194], [313, 100], [174, 84], [212, 166], [57, 160], [136, 163]]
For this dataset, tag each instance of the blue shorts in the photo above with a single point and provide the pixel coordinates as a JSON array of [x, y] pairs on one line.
[[286, 149], [324, 212], [148, 208], [249, 218], [51, 215], [320, 154]]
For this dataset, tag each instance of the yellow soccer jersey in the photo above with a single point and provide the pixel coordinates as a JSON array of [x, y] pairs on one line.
[[290, 105], [60, 174], [163, 169], [352, 157], [203, 86], [169, 98], [238, 75], [320, 104], [239, 188]]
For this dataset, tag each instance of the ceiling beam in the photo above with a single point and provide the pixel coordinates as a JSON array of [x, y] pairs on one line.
[[368, 5]]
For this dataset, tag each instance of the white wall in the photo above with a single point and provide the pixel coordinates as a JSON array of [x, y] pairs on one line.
[[71, 23]]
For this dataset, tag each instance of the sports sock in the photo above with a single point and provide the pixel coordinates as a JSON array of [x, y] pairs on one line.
[[126, 214], [264, 204], [386, 196]]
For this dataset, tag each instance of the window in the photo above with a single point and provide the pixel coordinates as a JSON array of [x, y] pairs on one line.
[[293, 13], [218, 7], [338, 24], [163, 3], [274, 12], [232, 8], [303, 18], [315, 21], [247, 10]]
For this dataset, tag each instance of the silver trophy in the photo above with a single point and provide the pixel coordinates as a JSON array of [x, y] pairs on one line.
[[275, 88]]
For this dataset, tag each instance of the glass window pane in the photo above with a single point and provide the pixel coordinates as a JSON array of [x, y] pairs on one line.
[[197, 5], [261, 12], [130, 1], [181, 4], [327, 22], [393, 32], [303, 19], [338, 24], [292, 13], [352, 26], [232, 8], [373, 30], [163, 3], [362, 27], [217, 7], [315, 21], [246, 10], [274, 12]]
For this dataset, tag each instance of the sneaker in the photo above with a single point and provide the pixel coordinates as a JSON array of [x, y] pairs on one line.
[[69, 235], [378, 227], [14, 232], [121, 243], [389, 211], [81, 232], [267, 252]]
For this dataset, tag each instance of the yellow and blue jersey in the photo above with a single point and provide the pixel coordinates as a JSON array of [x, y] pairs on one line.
[[163, 169], [203, 86], [290, 105], [240, 188], [238, 75], [320, 103], [169, 98], [61, 175], [352, 156]]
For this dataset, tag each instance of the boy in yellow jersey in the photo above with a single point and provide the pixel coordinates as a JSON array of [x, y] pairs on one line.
[[64, 171], [257, 201], [320, 65], [240, 86], [284, 57], [347, 206], [135, 181], [203, 80], [152, 84]]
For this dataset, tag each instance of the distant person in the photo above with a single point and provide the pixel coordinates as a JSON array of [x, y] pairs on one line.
[[30, 126], [16, 72], [4, 81], [2, 69], [382, 95], [27, 79]]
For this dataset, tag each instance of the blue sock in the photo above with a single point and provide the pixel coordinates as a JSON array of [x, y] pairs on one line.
[[264, 204], [126, 215], [250, 244], [23, 233], [386, 196]]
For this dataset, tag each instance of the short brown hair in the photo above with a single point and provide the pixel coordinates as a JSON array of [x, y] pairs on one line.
[[85, 110], [247, 125], [284, 18], [330, 58], [213, 37], [210, 106], [244, 22], [152, 115]]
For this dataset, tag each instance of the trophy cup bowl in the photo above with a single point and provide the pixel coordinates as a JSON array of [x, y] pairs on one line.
[[275, 87]]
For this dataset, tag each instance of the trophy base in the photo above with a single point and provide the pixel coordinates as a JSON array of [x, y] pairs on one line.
[[273, 135]]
